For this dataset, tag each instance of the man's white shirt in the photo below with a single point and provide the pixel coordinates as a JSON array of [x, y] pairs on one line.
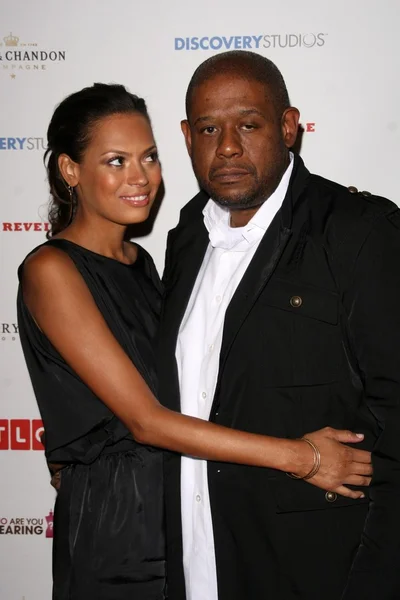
[[227, 257]]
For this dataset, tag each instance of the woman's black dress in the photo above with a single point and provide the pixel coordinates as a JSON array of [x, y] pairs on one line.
[[108, 521]]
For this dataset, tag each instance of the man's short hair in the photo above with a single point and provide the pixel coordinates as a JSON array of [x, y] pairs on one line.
[[247, 65]]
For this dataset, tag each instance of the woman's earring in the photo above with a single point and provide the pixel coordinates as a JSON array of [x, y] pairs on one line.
[[71, 202]]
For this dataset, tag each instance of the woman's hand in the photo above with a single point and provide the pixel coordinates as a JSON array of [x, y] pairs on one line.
[[65, 311], [340, 464]]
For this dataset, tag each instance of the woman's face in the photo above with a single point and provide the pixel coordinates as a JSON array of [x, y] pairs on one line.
[[119, 174]]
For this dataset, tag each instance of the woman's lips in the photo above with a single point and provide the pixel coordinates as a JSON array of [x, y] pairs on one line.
[[136, 200]]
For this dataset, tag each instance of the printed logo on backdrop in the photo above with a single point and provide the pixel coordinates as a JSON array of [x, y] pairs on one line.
[[21, 434], [9, 332], [252, 42], [17, 56], [25, 226], [23, 143], [28, 525]]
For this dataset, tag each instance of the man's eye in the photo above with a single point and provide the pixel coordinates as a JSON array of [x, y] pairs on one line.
[[117, 161], [248, 126], [209, 129]]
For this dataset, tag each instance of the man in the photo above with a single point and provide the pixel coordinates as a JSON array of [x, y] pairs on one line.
[[282, 313]]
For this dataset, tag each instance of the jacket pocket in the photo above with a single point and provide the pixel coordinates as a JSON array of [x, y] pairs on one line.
[[302, 300], [299, 496], [308, 317]]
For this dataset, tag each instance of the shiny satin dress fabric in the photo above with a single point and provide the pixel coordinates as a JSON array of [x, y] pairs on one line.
[[108, 542], [108, 518]]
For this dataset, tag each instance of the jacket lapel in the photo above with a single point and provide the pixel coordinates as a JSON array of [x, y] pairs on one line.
[[188, 260], [190, 244], [190, 241], [253, 282], [262, 265]]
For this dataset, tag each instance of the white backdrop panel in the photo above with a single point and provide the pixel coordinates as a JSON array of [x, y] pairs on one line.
[[341, 65]]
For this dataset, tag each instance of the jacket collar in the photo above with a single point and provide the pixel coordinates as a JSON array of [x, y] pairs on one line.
[[192, 215], [189, 243]]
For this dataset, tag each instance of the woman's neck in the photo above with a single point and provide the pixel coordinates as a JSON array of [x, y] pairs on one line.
[[106, 239]]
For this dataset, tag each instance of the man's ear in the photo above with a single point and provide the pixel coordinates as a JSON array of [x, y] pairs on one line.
[[69, 170], [290, 125], [188, 135]]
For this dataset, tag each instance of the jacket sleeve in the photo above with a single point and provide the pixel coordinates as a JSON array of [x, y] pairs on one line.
[[372, 302]]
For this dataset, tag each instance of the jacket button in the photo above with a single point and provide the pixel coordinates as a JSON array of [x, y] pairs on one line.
[[296, 301], [330, 496], [352, 189], [365, 193]]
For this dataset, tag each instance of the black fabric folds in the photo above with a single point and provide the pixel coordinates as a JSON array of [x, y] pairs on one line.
[[108, 531]]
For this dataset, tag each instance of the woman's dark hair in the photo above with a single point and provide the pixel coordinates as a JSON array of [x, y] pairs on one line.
[[70, 132]]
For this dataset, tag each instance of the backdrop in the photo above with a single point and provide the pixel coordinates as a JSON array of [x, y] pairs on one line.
[[341, 64]]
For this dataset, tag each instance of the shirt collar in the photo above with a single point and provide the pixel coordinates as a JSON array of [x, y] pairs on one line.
[[217, 218]]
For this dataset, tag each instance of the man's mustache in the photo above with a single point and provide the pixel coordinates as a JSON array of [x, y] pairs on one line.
[[231, 167]]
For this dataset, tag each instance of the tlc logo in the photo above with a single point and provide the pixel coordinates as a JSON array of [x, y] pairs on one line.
[[21, 434]]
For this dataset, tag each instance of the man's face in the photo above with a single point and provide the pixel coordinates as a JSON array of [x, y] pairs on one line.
[[237, 141]]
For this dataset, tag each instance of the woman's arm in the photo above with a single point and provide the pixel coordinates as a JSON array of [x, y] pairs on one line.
[[64, 309]]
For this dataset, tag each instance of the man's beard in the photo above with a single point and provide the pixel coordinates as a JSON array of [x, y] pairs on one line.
[[256, 194], [253, 197]]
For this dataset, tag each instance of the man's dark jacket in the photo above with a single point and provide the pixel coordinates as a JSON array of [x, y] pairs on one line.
[[288, 367]]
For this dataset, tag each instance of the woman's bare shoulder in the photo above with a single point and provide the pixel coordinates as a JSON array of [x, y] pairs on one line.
[[47, 261]]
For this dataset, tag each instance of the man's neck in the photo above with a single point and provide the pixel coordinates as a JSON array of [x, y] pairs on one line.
[[240, 218]]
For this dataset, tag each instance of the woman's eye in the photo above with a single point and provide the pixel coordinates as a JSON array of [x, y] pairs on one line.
[[117, 161], [153, 157]]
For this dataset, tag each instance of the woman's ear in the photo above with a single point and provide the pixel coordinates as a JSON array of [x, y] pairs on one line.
[[69, 170]]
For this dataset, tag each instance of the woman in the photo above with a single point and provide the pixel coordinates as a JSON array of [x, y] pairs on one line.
[[88, 309]]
